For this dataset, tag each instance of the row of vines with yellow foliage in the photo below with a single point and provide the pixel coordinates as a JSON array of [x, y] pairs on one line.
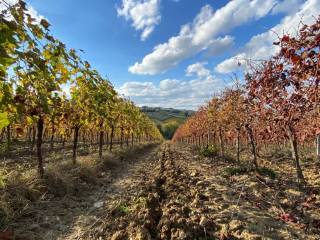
[[48, 93]]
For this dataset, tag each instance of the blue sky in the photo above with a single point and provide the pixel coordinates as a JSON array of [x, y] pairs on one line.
[[173, 53]]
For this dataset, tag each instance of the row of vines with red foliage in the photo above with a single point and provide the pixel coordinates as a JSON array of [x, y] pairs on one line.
[[278, 102]]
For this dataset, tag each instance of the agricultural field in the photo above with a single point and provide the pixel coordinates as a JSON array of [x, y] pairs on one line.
[[80, 159], [175, 192], [190, 196], [167, 120]]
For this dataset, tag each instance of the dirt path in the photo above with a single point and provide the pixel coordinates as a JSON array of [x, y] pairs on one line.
[[124, 185], [169, 192], [66, 217], [185, 197]]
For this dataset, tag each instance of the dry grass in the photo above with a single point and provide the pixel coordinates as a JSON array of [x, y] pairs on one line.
[[21, 186], [271, 205], [18, 190]]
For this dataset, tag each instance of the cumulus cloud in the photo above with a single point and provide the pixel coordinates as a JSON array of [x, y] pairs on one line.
[[173, 92], [197, 69], [202, 34], [287, 6], [219, 46], [144, 15], [137, 89], [33, 13], [260, 47], [231, 64]]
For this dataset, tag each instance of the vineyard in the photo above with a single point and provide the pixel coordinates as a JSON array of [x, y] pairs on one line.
[[35, 70], [81, 161], [279, 104]]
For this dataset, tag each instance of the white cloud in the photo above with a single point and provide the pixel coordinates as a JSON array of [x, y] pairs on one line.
[[137, 89], [232, 15], [3, 5], [197, 69], [33, 13], [173, 92], [144, 14], [261, 47], [203, 33], [219, 46], [231, 64], [287, 6]]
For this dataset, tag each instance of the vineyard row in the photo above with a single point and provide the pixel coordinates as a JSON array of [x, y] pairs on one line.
[[47, 92], [278, 103]]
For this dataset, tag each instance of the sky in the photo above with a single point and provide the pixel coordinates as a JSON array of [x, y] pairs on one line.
[[173, 53]]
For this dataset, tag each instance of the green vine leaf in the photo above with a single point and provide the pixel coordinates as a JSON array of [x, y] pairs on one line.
[[4, 120]]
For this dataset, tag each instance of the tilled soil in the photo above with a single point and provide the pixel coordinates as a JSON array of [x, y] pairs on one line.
[[170, 206], [182, 196], [171, 193]]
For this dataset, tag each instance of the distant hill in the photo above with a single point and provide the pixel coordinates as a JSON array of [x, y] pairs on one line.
[[167, 119]]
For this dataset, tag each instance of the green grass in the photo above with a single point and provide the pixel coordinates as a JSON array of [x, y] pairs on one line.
[[167, 119], [163, 114], [235, 171], [210, 151], [232, 171], [267, 172], [123, 209]]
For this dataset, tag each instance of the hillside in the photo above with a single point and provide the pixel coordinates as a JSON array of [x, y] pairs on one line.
[[167, 119]]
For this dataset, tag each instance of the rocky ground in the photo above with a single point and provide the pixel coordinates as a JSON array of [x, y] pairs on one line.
[[170, 192]]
